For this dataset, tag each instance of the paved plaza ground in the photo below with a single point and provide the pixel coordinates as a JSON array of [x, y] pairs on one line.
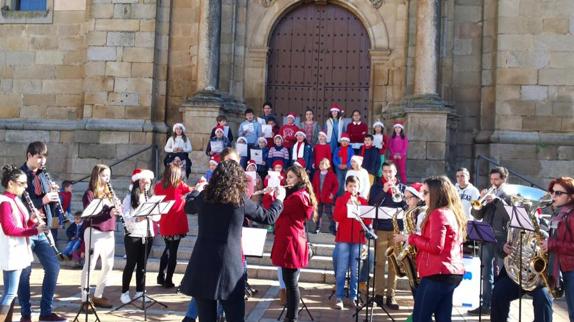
[[262, 307]]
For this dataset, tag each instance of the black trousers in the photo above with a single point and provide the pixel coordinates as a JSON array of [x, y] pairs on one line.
[[290, 277], [168, 259], [135, 258], [233, 306]]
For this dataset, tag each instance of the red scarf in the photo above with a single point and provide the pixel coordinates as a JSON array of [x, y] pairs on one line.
[[344, 154]]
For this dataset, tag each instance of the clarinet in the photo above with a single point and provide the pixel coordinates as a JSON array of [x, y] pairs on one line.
[[47, 189], [48, 233], [114, 200]]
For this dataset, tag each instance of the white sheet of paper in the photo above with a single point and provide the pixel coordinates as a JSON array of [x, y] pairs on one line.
[[370, 212], [251, 174], [274, 180], [519, 218], [241, 149], [216, 146], [253, 241], [248, 128], [257, 156], [94, 208], [267, 131]]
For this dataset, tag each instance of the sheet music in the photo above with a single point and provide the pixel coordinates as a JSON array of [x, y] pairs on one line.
[[241, 149], [519, 218], [216, 146], [94, 208], [370, 212], [257, 156], [273, 181], [253, 241], [267, 131]]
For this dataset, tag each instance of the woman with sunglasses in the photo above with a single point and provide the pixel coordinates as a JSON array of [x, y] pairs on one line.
[[439, 250], [561, 242], [17, 225]]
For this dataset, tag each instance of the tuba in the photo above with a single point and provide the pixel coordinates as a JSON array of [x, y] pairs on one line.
[[527, 265]]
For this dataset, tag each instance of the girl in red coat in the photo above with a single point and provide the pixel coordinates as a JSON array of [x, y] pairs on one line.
[[560, 243], [172, 226], [325, 184], [290, 250], [350, 237], [439, 250], [322, 150]]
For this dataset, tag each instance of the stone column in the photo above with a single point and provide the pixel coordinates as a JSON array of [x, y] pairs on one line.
[[426, 52], [209, 44]]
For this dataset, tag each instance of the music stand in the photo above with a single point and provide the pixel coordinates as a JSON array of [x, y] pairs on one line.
[[482, 233], [366, 212], [94, 208], [519, 219], [152, 207]]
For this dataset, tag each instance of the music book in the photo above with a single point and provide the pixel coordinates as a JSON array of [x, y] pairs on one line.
[[253, 241]]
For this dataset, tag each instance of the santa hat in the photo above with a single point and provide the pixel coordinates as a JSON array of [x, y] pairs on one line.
[[278, 135], [242, 138], [215, 159], [378, 123], [276, 163], [358, 159], [291, 115], [335, 107], [301, 133], [219, 128], [415, 189], [262, 139], [399, 125], [180, 125], [251, 162], [345, 137], [138, 174], [323, 134]]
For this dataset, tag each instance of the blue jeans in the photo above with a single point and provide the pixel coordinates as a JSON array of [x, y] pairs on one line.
[[51, 267], [11, 281], [433, 297], [347, 255], [192, 311], [341, 179], [569, 292], [506, 291], [489, 258], [71, 247]]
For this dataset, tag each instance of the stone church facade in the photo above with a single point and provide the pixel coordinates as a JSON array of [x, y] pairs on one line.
[[100, 79]]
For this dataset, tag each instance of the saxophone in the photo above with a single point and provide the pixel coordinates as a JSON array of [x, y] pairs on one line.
[[406, 258], [393, 251]]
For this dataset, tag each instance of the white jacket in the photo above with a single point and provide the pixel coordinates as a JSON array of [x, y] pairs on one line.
[[329, 128], [134, 227], [177, 143], [15, 252], [468, 194], [364, 183]]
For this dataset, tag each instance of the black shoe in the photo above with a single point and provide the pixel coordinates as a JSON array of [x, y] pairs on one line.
[[160, 280], [392, 303], [479, 311], [380, 300], [168, 285], [188, 319]]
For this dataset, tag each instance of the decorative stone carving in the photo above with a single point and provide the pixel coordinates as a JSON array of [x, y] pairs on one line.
[[377, 3], [267, 3]]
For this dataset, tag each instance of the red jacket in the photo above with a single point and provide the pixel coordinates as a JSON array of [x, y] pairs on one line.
[[357, 132], [439, 248], [349, 230], [320, 152], [175, 221], [288, 133], [290, 244], [330, 187], [563, 241]]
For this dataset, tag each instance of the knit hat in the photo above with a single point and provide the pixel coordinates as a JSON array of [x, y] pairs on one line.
[[276, 163], [291, 115], [242, 138], [345, 137], [219, 128], [398, 124], [215, 159], [358, 159], [378, 123], [415, 189], [301, 133], [300, 163], [323, 134], [335, 107], [180, 125], [138, 174], [278, 135], [261, 139]]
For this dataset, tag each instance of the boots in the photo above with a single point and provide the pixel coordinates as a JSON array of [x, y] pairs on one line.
[[282, 296]]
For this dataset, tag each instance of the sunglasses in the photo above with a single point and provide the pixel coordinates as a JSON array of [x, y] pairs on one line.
[[559, 193]]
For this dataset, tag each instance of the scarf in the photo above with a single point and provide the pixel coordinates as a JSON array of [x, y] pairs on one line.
[[298, 150]]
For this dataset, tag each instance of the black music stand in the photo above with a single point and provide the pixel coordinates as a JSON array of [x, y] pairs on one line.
[[95, 207], [152, 208], [371, 299], [482, 233], [519, 219]]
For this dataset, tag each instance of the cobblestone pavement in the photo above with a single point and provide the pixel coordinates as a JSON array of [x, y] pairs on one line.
[[262, 307]]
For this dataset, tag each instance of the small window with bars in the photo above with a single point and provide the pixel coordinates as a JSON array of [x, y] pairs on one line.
[[26, 11]]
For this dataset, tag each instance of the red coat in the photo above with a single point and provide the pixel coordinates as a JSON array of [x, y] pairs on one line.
[[357, 132], [439, 248], [320, 152], [349, 230], [288, 133], [290, 245], [175, 221], [330, 187], [563, 242]]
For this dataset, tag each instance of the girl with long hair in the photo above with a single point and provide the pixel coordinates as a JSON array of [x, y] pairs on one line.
[[290, 250], [310, 127], [334, 126], [17, 225], [439, 250], [137, 229], [561, 242], [99, 233], [173, 226], [398, 147]]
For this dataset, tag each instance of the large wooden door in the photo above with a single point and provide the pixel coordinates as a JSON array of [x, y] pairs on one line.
[[319, 54]]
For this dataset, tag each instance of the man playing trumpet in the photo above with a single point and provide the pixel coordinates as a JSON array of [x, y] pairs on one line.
[[490, 208]]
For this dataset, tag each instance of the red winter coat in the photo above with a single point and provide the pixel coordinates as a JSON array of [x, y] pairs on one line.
[[330, 187], [288, 133], [175, 221], [439, 248], [357, 132], [563, 242], [349, 230], [290, 244], [320, 152]]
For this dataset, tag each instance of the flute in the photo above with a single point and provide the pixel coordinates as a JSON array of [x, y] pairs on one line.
[[48, 233], [269, 189]]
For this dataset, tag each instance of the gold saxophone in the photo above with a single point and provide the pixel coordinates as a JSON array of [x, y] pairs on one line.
[[403, 264]]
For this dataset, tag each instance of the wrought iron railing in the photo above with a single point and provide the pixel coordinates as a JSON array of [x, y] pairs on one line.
[[493, 162]]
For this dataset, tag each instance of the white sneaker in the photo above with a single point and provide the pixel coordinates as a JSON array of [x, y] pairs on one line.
[[339, 305], [125, 297], [139, 296]]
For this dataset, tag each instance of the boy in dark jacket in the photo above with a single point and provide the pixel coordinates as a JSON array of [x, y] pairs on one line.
[[75, 233], [371, 158]]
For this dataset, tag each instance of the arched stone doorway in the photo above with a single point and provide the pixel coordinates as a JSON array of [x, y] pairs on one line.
[[318, 54]]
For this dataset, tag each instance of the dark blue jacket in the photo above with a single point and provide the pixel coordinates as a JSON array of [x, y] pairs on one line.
[[372, 160]]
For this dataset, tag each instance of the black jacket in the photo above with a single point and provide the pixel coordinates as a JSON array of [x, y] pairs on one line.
[[377, 197], [496, 216], [215, 268]]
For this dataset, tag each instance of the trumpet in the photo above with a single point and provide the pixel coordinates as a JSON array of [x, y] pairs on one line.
[[395, 192], [478, 204]]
